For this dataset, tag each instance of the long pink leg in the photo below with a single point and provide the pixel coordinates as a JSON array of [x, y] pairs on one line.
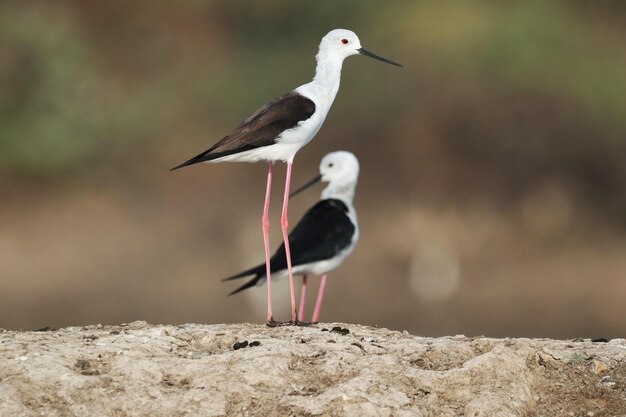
[[302, 299], [318, 302], [265, 223], [285, 223]]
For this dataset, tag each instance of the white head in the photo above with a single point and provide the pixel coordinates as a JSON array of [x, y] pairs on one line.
[[341, 171], [339, 168], [339, 44]]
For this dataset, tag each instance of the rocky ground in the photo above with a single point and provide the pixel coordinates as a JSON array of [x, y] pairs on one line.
[[334, 369]]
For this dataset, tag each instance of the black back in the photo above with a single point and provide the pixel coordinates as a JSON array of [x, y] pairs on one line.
[[324, 231], [260, 129]]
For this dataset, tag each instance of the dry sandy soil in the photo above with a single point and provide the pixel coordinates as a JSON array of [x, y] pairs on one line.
[[335, 369]]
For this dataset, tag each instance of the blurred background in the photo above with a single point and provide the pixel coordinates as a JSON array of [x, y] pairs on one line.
[[492, 195]]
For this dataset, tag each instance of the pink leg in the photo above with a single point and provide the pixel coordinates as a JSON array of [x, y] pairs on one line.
[[302, 299], [318, 302], [265, 223], [284, 223]]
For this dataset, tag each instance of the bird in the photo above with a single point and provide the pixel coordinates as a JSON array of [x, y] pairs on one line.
[[323, 238], [280, 128]]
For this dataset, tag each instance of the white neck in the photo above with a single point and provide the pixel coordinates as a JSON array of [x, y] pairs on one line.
[[327, 76], [340, 191]]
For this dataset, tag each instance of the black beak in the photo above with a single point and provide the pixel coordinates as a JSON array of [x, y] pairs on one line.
[[365, 52], [307, 185]]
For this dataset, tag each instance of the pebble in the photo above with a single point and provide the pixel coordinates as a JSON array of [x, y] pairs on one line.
[[240, 345], [599, 366], [340, 330]]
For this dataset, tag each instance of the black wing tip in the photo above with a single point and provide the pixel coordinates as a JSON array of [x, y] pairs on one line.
[[257, 270], [245, 286], [238, 290], [203, 157], [258, 273], [192, 161], [184, 164]]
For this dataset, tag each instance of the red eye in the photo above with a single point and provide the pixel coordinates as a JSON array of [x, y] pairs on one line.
[[344, 41]]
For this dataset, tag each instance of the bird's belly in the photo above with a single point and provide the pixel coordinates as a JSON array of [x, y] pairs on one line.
[[322, 267], [276, 152], [317, 267]]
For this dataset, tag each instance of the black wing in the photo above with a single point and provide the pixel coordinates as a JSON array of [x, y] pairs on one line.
[[324, 231], [260, 129]]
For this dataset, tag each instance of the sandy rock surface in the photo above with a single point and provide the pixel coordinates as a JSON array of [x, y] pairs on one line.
[[335, 369]]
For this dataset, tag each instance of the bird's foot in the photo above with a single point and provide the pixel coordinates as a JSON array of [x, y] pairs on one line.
[[273, 323], [294, 322]]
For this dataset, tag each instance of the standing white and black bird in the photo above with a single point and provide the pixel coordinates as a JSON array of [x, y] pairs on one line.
[[279, 129], [324, 237]]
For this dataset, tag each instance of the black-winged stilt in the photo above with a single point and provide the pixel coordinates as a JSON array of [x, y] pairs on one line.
[[279, 129], [324, 237]]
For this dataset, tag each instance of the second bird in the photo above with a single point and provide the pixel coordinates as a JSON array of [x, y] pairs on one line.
[[324, 237], [279, 129]]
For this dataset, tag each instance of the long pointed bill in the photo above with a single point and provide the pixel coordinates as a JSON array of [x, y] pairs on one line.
[[365, 52], [307, 185]]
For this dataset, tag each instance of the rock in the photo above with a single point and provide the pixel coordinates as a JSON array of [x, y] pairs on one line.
[[137, 369], [599, 366]]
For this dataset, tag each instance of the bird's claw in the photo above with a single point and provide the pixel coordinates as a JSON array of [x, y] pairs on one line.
[[273, 323]]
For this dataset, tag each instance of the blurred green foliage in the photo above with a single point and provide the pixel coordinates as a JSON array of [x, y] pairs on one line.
[[45, 117]]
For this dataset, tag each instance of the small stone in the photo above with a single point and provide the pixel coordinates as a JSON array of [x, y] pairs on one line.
[[599, 366], [255, 343], [240, 345], [82, 364], [340, 330], [606, 381]]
